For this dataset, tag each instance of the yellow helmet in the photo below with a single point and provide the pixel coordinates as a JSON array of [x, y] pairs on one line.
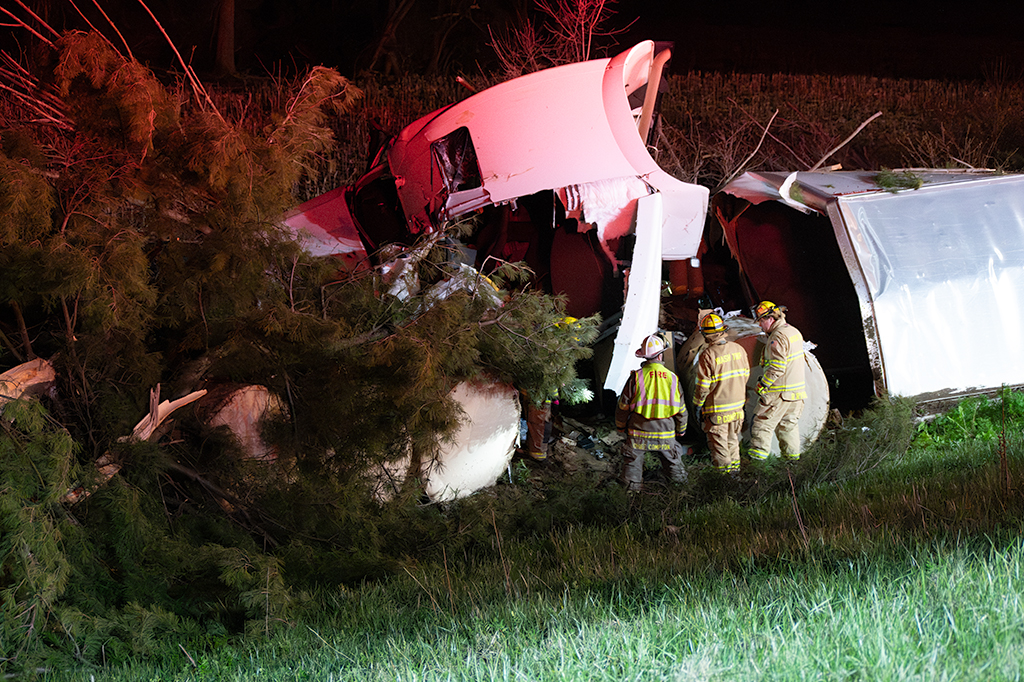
[[764, 308], [652, 347], [712, 324]]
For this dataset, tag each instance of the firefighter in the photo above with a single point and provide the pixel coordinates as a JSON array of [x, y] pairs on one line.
[[721, 391], [538, 414], [652, 412], [538, 428], [781, 390]]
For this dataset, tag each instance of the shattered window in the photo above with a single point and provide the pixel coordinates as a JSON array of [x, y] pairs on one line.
[[455, 158]]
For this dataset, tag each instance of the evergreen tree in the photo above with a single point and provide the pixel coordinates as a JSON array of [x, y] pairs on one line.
[[140, 246]]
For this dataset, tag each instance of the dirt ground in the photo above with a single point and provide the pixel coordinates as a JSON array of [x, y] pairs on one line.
[[577, 446], [588, 445]]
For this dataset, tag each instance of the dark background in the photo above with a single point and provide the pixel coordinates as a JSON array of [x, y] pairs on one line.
[[904, 39], [893, 39]]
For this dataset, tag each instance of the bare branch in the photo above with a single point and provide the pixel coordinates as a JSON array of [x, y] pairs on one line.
[[843, 143], [114, 26], [740, 168], [197, 86], [94, 29], [37, 105], [771, 135], [37, 18]]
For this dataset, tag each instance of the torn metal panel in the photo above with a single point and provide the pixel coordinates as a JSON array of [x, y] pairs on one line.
[[547, 160], [609, 206], [566, 126], [682, 225], [943, 267], [468, 280], [932, 272], [325, 227], [643, 294]]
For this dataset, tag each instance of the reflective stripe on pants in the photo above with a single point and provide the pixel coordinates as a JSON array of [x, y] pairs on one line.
[[633, 464], [724, 442], [780, 417]]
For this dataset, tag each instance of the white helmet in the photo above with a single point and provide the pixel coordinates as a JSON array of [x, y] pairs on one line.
[[652, 346]]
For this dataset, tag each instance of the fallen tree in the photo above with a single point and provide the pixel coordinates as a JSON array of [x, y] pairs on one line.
[[140, 248]]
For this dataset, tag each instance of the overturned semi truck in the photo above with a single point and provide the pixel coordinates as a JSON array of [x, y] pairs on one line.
[[556, 167], [910, 282]]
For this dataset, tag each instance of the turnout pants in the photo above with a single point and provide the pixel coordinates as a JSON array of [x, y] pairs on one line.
[[538, 429], [633, 463], [776, 416], [724, 442]]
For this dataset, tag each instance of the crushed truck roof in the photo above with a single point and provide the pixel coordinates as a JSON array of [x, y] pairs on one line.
[[577, 132]]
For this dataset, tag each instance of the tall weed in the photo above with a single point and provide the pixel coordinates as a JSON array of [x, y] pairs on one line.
[[982, 418], [882, 435]]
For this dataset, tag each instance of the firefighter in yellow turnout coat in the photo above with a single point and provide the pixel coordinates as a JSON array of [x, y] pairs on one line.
[[652, 412], [720, 393], [781, 390]]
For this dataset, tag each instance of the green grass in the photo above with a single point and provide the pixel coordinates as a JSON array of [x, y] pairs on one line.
[[930, 612], [903, 565]]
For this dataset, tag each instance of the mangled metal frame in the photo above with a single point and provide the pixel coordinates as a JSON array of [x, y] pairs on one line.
[[578, 130], [578, 133]]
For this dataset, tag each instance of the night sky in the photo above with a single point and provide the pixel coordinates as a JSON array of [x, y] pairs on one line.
[[908, 38], [893, 39]]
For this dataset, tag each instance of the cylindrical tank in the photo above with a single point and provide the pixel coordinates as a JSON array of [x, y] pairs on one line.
[[748, 334], [475, 457]]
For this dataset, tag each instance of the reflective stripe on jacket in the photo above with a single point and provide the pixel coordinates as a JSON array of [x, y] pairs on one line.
[[651, 407], [722, 373], [783, 363], [656, 394]]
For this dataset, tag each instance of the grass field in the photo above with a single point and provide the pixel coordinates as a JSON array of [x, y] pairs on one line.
[[949, 610], [901, 567]]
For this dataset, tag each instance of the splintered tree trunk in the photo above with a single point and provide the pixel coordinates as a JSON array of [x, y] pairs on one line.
[[226, 38]]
